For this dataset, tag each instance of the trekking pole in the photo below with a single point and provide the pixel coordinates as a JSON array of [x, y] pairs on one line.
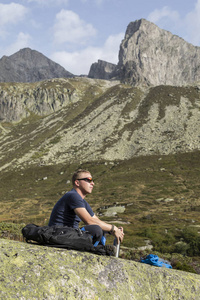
[[118, 249]]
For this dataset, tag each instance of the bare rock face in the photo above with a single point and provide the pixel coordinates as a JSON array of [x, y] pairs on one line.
[[29, 66], [18, 100], [101, 70], [153, 56], [35, 272]]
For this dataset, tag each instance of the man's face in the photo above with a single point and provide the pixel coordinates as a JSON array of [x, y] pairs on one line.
[[85, 183]]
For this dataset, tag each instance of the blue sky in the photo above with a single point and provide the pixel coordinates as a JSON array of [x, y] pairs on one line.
[[76, 33]]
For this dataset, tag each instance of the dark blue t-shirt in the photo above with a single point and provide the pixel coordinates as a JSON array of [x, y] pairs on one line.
[[63, 211]]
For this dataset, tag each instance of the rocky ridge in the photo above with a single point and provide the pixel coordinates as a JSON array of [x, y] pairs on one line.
[[148, 56], [98, 119], [37, 272]]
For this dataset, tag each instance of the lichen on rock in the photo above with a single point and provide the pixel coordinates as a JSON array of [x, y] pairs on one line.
[[36, 272]]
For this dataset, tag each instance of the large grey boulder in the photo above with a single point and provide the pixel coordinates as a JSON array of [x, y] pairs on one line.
[[150, 55], [37, 272]]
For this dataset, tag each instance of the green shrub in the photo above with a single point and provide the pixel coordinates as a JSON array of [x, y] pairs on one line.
[[184, 267], [147, 233], [190, 234], [181, 247], [11, 231], [164, 243], [191, 237]]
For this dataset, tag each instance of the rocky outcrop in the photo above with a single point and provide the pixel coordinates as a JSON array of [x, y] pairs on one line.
[[37, 272], [29, 66], [101, 70], [153, 56], [18, 101]]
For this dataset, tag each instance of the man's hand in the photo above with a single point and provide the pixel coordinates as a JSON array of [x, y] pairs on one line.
[[119, 233], [88, 220]]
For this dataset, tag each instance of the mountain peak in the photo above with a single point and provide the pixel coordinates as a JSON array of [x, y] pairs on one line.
[[29, 65], [150, 55]]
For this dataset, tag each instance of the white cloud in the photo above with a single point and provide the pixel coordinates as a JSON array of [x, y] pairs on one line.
[[159, 14], [35, 24], [47, 2], [192, 25], [97, 2], [11, 13], [188, 27], [110, 50], [69, 28], [76, 62], [79, 62], [22, 41]]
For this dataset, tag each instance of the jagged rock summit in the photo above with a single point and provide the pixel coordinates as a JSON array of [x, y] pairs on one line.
[[29, 65], [152, 56], [101, 70], [36, 272]]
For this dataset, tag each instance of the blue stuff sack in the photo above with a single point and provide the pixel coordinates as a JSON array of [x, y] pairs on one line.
[[154, 260]]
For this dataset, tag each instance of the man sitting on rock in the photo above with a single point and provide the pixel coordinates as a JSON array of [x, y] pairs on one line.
[[73, 208]]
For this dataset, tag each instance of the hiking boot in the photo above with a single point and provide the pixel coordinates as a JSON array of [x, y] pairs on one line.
[[111, 250]]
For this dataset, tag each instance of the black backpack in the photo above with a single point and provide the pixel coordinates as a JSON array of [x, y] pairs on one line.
[[62, 237]]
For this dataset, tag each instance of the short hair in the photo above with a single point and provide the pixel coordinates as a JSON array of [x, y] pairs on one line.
[[76, 174]]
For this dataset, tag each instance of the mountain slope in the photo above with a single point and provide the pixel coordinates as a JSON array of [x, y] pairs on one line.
[[98, 119]]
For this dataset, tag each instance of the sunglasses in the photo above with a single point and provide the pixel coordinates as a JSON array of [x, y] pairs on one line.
[[87, 179]]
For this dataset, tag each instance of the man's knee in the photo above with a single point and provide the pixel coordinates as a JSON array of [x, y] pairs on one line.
[[98, 231], [94, 230], [97, 234]]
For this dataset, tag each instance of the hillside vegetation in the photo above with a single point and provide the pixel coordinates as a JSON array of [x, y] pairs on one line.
[[140, 144]]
